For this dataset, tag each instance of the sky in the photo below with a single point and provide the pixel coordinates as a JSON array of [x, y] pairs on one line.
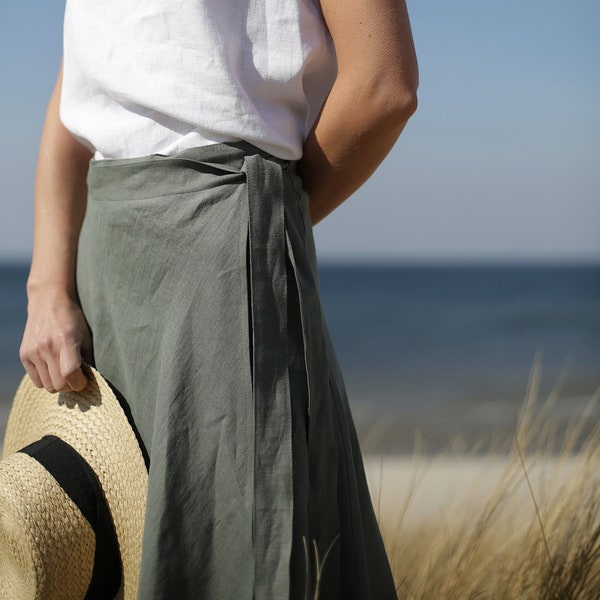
[[501, 162]]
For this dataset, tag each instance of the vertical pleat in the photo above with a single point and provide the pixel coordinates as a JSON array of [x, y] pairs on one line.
[[273, 490]]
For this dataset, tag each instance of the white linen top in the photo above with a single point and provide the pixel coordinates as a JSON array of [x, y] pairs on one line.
[[158, 76]]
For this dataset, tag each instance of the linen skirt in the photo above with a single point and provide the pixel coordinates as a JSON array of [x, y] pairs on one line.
[[197, 275]]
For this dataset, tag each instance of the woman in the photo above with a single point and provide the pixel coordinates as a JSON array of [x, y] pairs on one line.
[[220, 132]]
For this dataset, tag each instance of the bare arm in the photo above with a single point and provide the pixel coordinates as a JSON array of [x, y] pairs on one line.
[[56, 335], [370, 102]]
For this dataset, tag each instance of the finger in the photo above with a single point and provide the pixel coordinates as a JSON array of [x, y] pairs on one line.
[[31, 370], [70, 367], [58, 381], [45, 377]]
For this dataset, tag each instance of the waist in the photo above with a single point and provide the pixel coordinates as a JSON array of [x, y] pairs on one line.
[[189, 171]]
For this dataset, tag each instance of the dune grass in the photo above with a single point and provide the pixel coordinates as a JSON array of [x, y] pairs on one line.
[[534, 534]]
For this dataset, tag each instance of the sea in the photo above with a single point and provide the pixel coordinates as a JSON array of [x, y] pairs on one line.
[[432, 355]]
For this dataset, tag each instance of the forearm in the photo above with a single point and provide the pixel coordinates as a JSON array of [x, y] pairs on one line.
[[56, 337], [369, 104], [59, 204], [354, 133]]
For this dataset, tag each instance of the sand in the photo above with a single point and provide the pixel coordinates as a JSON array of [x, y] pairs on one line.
[[417, 488]]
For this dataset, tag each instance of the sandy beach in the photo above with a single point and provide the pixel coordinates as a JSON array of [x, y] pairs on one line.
[[497, 527], [516, 520], [416, 489]]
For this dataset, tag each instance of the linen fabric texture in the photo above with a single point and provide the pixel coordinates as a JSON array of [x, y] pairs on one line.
[[160, 76], [198, 277]]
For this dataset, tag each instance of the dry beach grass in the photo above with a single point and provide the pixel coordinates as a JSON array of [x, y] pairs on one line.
[[522, 524]]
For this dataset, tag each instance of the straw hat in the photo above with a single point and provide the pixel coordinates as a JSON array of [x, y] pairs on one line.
[[73, 485]]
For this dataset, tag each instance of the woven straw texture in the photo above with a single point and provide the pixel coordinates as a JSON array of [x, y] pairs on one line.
[[94, 423], [48, 546]]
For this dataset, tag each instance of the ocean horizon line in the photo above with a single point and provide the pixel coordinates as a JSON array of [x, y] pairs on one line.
[[410, 263]]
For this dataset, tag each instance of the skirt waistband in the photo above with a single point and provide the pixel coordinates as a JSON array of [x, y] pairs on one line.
[[156, 175]]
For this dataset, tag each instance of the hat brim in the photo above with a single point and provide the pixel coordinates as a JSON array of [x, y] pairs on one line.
[[95, 425]]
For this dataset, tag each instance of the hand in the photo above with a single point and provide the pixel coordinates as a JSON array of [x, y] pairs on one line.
[[56, 341]]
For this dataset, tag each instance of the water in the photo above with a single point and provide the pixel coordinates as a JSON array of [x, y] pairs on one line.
[[449, 350], [442, 349], [464, 322], [13, 312]]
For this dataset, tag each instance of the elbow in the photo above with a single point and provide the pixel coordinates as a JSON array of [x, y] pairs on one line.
[[398, 92], [390, 101], [403, 104], [393, 106], [381, 102]]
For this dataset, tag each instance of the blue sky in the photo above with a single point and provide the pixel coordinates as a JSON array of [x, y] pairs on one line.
[[500, 162]]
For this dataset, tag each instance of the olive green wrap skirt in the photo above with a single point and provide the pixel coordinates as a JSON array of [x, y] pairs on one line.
[[197, 275]]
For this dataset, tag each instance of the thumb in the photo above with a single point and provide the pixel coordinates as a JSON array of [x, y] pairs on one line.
[[70, 367]]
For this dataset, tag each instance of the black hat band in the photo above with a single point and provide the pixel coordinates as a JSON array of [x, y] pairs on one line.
[[78, 480]]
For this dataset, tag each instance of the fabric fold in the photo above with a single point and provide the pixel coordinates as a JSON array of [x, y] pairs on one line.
[[273, 500]]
